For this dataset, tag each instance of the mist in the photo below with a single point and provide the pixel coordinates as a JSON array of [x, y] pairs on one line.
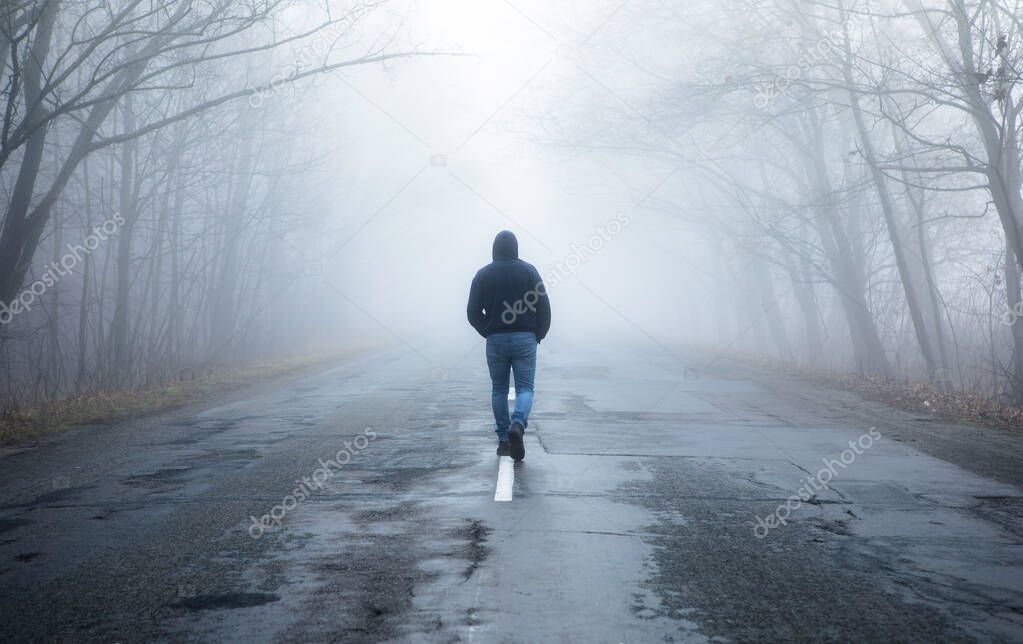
[[310, 177], [313, 177], [758, 320]]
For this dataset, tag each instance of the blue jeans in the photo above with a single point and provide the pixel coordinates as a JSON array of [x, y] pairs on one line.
[[515, 351]]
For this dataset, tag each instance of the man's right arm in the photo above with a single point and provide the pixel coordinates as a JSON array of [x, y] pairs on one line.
[[474, 310]]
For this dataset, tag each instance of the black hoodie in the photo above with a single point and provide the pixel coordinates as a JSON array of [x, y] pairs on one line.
[[508, 294]]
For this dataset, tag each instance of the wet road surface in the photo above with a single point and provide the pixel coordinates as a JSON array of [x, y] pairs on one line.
[[651, 507]]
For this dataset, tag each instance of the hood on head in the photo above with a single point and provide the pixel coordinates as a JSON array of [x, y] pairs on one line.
[[506, 245]]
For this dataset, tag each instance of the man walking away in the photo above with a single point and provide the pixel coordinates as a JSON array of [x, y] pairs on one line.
[[508, 306]]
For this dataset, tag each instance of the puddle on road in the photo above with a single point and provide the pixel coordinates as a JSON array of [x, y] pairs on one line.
[[165, 479], [6, 525], [225, 601]]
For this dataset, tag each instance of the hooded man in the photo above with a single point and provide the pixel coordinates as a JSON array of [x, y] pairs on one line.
[[508, 306]]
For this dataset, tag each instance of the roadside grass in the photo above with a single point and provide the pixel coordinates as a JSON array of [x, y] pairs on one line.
[[22, 424], [920, 397]]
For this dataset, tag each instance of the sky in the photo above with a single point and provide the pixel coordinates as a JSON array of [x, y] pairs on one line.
[[433, 156]]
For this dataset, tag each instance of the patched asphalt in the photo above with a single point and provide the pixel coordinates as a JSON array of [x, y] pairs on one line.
[[633, 516]]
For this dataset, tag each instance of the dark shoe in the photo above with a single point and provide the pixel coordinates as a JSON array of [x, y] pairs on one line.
[[503, 449], [518, 450]]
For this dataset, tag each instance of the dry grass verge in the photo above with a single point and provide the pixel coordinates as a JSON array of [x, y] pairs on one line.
[[23, 424], [920, 397]]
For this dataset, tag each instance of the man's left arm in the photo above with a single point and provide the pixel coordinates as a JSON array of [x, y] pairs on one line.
[[543, 310]]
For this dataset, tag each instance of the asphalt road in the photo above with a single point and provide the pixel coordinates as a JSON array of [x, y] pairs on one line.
[[651, 507]]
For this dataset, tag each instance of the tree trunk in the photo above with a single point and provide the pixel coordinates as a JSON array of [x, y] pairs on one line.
[[119, 347], [769, 305], [20, 236], [906, 268], [224, 310], [1012, 289]]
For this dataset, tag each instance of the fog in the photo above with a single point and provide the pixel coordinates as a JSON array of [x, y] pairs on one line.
[[831, 184]]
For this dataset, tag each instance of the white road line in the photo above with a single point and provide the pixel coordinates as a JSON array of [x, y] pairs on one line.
[[505, 479]]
